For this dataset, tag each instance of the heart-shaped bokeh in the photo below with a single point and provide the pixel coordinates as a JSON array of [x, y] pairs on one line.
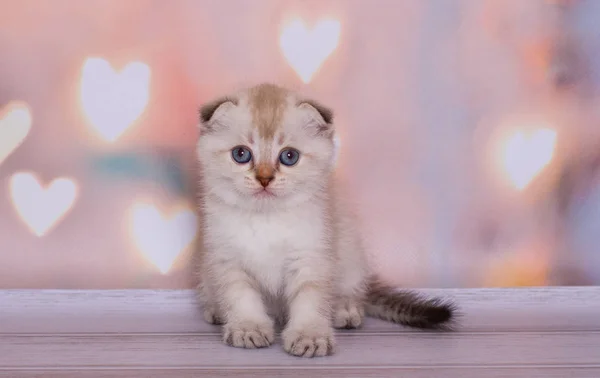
[[160, 238], [526, 153], [112, 101], [306, 50], [15, 123], [41, 208]]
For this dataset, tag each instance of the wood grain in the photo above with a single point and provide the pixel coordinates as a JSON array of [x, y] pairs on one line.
[[408, 349], [534, 309], [536, 332], [333, 372]]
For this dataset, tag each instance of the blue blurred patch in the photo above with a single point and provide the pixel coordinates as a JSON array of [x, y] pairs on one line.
[[162, 168]]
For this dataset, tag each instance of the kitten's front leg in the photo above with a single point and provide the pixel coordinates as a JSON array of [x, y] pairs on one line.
[[247, 324], [206, 297], [308, 332]]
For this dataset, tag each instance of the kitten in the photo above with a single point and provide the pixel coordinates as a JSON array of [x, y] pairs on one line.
[[278, 241]]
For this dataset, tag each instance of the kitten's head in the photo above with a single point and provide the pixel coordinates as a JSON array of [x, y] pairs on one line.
[[265, 147]]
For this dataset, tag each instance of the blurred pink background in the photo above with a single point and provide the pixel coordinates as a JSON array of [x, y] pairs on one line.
[[469, 132]]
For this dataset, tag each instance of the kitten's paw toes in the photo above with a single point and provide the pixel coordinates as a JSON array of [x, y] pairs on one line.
[[309, 342], [212, 316], [348, 317], [248, 335]]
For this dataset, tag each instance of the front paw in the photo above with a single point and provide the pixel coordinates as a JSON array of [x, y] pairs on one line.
[[248, 334], [212, 316], [309, 341], [348, 316]]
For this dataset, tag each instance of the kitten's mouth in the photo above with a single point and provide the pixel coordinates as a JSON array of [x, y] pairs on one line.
[[264, 193]]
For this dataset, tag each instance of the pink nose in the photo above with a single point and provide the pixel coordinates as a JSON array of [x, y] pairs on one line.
[[265, 174], [264, 181]]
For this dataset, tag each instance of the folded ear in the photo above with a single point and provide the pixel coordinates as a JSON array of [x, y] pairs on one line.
[[321, 117], [209, 112]]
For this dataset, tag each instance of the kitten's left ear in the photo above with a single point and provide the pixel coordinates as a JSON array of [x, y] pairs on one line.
[[322, 117]]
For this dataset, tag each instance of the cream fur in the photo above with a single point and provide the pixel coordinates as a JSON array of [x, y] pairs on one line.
[[296, 255]]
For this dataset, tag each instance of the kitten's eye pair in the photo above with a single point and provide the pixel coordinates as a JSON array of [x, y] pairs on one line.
[[243, 155]]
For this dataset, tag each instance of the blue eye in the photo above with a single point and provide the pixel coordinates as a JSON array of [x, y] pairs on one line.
[[241, 155], [289, 156]]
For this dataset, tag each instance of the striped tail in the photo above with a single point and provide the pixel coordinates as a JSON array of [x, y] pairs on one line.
[[409, 308]]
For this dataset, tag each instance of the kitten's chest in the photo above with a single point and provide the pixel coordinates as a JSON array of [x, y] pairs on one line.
[[268, 235], [265, 243]]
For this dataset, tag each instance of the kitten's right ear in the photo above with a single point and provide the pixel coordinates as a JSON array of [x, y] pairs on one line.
[[210, 111]]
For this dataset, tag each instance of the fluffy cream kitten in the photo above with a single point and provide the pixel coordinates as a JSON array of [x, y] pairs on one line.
[[278, 243]]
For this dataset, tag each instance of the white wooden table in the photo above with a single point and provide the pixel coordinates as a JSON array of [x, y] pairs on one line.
[[542, 332]]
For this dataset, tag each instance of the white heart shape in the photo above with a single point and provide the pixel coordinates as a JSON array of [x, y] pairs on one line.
[[110, 100], [526, 154], [160, 239], [15, 123], [306, 50], [41, 208]]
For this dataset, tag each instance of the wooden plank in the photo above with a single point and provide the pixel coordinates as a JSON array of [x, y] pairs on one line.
[[342, 372], [417, 350], [535, 332], [156, 311]]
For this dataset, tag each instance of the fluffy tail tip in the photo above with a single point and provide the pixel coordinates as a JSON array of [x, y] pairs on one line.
[[435, 314]]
